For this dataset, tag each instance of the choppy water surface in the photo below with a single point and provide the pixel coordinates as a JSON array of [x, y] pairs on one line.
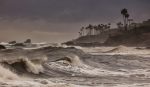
[[72, 67]]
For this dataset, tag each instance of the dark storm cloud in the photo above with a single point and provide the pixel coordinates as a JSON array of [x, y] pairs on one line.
[[63, 17], [70, 10]]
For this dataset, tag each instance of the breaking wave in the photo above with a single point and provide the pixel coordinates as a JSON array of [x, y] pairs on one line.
[[6, 74], [51, 61], [69, 62], [18, 62], [73, 60], [35, 68], [58, 61]]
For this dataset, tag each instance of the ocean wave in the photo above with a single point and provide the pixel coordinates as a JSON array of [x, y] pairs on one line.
[[57, 62], [7, 74]]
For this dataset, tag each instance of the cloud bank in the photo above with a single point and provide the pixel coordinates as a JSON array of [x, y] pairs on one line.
[[60, 20]]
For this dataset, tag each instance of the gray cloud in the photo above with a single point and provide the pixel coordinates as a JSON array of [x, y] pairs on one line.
[[71, 10], [65, 16]]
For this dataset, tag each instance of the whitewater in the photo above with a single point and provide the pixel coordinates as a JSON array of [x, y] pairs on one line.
[[66, 66]]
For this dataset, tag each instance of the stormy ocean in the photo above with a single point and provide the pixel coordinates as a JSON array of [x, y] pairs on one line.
[[63, 66]]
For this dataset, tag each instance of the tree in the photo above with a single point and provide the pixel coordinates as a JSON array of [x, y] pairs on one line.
[[129, 23], [105, 27], [125, 15], [95, 29], [108, 26], [120, 25], [100, 28], [89, 28], [82, 31], [80, 34]]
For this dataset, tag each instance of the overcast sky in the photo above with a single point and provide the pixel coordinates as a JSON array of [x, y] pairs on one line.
[[60, 20]]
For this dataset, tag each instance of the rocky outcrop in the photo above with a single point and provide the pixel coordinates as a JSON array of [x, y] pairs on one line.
[[12, 42], [136, 37], [28, 41], [2, 47]]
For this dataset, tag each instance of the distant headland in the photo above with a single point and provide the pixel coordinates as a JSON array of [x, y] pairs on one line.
[[128, 33]]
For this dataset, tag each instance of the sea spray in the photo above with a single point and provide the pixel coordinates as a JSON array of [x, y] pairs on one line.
[[35, 68], [6, 74], [72, 60], [31, 65]]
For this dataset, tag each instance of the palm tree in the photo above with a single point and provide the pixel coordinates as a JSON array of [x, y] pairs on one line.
[[100, 28], [126, 17], [82, 31], [105, 27], [95, 29], [89, 28], [80, 34], [109, 24], [124, 13], [129, 21], [120, 25]]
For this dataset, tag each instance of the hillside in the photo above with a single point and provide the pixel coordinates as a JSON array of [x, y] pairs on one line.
[[138, 36]]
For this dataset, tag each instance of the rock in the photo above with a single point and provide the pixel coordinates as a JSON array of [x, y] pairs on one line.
[[2, 47], [12, 42], [28, 41], [19, 44]]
